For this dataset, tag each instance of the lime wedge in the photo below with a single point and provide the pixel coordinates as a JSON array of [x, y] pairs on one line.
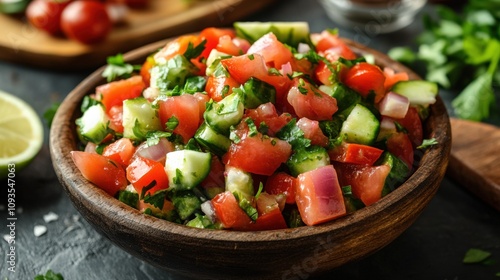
[[21, 133]]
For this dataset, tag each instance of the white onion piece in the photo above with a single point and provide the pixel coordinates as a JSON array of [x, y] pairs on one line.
[[303, 48], [387, 127], [156, 152], [394, 105], [90, 148], [208, 209]]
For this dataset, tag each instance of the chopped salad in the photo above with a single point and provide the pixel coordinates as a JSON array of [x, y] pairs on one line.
[[264, 126]]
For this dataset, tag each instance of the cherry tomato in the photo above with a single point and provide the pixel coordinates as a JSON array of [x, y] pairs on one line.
[[87, 22], [366, 79], [46, 15]]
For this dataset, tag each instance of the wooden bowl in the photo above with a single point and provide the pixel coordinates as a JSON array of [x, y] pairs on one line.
[[220, 254]]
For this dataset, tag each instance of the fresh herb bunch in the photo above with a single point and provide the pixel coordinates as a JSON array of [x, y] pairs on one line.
[[461, 50]]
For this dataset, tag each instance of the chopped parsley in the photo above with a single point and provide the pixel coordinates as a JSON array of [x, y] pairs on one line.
[[292, 134], [474, 255], [172, 123], [49, 275], [118, 68], [426, 143], [192, 51]]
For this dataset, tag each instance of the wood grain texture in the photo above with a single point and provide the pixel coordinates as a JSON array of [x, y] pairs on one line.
[[20, 42], [280, 254], [475, 159]]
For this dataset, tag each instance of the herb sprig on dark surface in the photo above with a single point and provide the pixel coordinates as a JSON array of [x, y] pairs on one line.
[[461, 50]]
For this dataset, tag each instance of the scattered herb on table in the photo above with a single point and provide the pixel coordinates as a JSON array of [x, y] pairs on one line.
[[49, 275], [461, 50], [474, 255], [49, 114], [118, 68]]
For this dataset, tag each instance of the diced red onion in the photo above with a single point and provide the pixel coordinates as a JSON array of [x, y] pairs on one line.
[[286, 69], [394, 105], [156, 152]]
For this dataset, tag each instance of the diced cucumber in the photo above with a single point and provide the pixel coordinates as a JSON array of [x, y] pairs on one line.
[[213, 61], [419, 92], [139, 117], [239, 181], [166, 76], [212, 140], [185, 202], [93, 125], [345, 96], [290, 33], [200, 221], [257, 92], [225, 113], [186, 168], [398, 174], [307, 159], [361, 126], [331, 128]]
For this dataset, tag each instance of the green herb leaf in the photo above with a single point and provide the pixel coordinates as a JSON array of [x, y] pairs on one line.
[[259, 191], [88, 102], [147, 188], [293, 135], [476, 256], [49, 114], [347, 190], [157, 199], [118, 68], [192, 51], [172, 123], [251, 127], [426, 143], [153, 137], [49, 275], [474, 102]]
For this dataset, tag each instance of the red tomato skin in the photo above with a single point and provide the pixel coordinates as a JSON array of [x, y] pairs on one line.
[[366, 78], [115, 115], [257, 154], [46, 15], [229, 213], [313, 132], [120, 151], [177, 46], [87, 22], [413, 124], [141, 172], [145, 71], [355, 153], [391, 78], [366, 182], [274, 52], [266, 113], [319, 196], [215, 178], [242, 67], [313, 104], [282, 183], [229, 45], [215, 87], [114, 93], [212, 36], [186, 109], [269, 221], [399, 144], [332, 46], [103, 172]]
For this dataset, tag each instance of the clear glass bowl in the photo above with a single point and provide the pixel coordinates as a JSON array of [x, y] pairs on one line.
[[373, 16]]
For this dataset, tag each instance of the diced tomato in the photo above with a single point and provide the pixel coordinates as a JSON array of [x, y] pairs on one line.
[[274, 52], [176, 46], [282, 183], [319, 196], [366, 79], [366, 182], [186, 109], [392, 78], [257, 154], [145, 71], [232, 46], [355, 153], [143, 172], [399, 144], [412, 123], [120, 151], [116, 118], [215, 178], [313, 132], [212, 35], [242, 67], [332, 46], [202, 102], [228, 212], [114, 93], [266, 113], [100, 170], [323, 74], [220, 87], [310, 102], [269, 221]]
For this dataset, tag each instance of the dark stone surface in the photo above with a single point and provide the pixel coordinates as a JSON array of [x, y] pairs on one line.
[[432, 248]]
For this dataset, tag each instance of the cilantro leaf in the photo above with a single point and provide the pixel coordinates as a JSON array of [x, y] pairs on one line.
[[172, 123], [474, 102], [192, 51], [49, 275], [293, 135], [118, 68], [147, 188], [157, 199], [88, 102], [474, 255], [49, 114], [153, 137], [426, 143]]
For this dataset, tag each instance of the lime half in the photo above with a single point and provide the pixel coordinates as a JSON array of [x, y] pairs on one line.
[[21, 133]]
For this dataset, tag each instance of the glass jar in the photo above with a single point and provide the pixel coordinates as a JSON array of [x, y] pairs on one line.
[[374, 16]]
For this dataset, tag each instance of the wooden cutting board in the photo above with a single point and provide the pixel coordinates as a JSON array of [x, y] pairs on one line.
[[20, 42], [475, 159]]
